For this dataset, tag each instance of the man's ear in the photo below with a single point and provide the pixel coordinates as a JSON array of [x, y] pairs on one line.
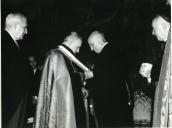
[[16, 26]]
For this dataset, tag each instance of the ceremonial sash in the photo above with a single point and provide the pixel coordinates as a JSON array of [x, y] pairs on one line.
[[72, 58]]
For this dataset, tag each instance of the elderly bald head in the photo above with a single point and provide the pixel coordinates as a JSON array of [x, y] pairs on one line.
[[73, 41], [96, 41], [160, 28], [16, 25]]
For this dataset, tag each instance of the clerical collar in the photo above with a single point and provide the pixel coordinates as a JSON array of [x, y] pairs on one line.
[[12, 38], [68, 49]]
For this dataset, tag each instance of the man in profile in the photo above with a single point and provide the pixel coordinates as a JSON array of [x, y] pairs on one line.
[[108, 85], [16, 72], [163, 95], [57, 101]]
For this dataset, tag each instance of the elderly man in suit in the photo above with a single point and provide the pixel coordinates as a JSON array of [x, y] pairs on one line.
[[108, 85], [16, 73]]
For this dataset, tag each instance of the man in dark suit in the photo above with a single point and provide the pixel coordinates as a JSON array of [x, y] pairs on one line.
[[16, 73], [33, 90], [108, 85]]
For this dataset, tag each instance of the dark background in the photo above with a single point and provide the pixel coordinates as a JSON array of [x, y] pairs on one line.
[[125, 23]]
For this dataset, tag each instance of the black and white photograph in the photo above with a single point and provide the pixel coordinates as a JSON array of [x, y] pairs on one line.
[[86, 64]]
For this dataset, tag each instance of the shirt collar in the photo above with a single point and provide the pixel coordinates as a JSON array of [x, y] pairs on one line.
[[12, 38]]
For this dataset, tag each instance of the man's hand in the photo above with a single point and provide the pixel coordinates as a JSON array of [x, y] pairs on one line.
[[84, 92], [145, 69], [88, 74]]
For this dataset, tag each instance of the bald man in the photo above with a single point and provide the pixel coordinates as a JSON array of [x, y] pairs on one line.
[[161, 28], [109, 91], [62, 105], [16, 72], [163, 95]]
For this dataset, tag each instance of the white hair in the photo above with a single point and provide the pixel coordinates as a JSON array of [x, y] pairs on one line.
[[14, 18], [162, 26], [161, 19]]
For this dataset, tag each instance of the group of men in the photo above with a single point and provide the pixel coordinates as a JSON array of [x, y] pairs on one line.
[[59, 93]]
